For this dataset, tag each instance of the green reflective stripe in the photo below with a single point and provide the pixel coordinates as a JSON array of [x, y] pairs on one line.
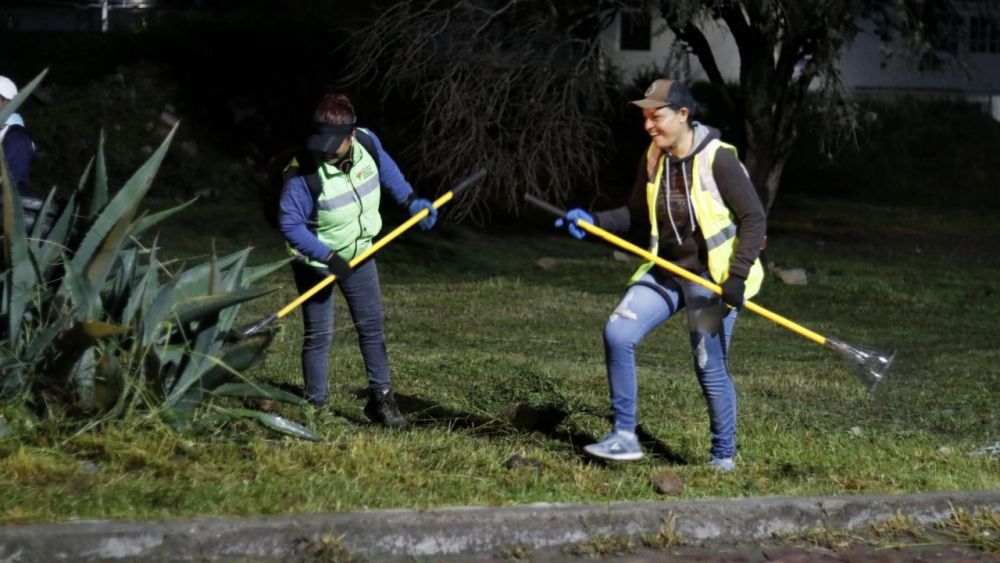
[[720, 238], [348, 198]]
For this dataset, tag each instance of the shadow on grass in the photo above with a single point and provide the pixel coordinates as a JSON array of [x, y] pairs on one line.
[[548, 419]]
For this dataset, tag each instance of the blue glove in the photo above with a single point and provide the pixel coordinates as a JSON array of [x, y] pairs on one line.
[[418, 205], [570, 222]]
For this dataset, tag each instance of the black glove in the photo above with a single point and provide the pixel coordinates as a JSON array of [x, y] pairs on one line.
[[338, 266], [732, 290]]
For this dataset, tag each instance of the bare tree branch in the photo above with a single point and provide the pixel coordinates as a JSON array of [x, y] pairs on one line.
[[502, 85]]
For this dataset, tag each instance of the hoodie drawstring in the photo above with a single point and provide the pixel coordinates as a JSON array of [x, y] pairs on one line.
[[687, 199]]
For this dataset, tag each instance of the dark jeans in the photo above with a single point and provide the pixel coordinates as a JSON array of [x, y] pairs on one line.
[[364, 300]]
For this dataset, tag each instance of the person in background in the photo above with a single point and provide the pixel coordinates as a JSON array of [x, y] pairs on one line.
[[703, 214], [327, 230], [17, 144]]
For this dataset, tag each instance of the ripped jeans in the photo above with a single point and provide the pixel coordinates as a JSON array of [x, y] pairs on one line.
[[648, 303]]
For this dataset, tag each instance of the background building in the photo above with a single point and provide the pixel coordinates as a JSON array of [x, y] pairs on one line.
[[636, 44]]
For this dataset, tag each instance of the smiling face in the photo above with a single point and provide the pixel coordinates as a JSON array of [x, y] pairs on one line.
[[669, 129]]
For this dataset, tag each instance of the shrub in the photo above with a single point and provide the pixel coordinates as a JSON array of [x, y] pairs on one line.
[[88, 327]]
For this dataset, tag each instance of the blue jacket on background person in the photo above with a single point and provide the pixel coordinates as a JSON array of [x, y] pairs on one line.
[[17, 144]]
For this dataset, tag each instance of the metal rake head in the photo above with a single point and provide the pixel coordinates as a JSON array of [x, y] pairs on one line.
[[868, 365]]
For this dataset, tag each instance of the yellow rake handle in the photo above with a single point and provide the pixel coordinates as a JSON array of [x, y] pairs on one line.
[[677, 270], [383, 241]]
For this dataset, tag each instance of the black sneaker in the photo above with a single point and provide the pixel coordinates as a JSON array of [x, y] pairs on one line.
[[382, 409]]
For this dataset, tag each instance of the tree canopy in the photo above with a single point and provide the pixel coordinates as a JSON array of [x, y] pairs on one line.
[[524, 87]]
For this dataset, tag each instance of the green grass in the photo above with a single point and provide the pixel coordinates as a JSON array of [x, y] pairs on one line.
[[500, 365]]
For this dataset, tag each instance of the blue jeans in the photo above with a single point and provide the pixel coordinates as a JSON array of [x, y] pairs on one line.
[[364, 300], [647, 304]]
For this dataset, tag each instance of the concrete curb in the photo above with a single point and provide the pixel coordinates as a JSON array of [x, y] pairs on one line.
[[451, 531]]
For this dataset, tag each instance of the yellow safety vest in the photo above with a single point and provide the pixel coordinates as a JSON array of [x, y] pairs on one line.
[[715, 220], [347, 210]]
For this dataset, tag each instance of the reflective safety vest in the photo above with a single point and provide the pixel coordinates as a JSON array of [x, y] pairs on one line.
[[715, 220], [347, 217]]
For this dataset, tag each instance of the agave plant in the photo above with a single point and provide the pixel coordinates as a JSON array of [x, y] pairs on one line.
[[92, 321]]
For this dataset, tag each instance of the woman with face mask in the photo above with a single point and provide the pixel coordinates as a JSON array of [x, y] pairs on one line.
[[329, 214]]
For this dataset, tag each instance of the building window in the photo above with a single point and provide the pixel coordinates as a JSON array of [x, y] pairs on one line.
[[984, 35], [636, 31]]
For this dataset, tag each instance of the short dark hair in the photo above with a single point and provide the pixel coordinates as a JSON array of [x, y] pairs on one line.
[[334, 108]]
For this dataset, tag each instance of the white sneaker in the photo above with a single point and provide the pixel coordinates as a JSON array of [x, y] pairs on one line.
[[722, 464], [616, 446]]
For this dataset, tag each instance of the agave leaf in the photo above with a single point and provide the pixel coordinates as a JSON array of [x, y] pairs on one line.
[[11, 107], [105, 258], [234, 277], [285, 426], [12, 377], [108, 381], [21, 277], [194, 282], [40, 344], [214, 276], [122, 207], [273, 422], [162, 363], [82, 377], [143, 292], [157, 310], [218, 371], [202, 351], [81, 184], [49, 249], [80, 291], [254, 273], [222, 416], [101, 329], [196, 308], [119, 287], [39, 227], [152, 220], [232, 282], [99, 195], [257, 391], [198, 372]]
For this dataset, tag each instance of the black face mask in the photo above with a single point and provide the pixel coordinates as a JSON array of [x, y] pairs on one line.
[[345, 163]]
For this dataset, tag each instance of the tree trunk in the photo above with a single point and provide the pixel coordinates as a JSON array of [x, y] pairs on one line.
[[765, 173], [768, 151]]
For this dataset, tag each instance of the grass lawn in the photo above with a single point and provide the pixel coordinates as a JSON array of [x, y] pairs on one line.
[[500, 365]]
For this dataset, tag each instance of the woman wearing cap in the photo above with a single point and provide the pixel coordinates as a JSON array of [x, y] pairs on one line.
[[326, 230], [696, 200]]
